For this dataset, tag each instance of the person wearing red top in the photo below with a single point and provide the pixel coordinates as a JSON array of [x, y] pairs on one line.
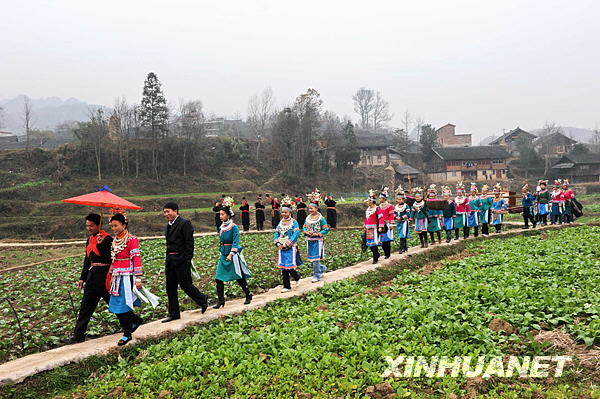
[[462, 211], [557, 202], [373, 221], [569, 196], [125, 271], [387, 215]]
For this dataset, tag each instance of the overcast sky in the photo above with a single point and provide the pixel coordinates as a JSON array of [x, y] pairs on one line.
[[481, 65]]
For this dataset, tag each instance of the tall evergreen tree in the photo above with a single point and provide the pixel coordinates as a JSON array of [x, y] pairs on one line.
[[154, 114], [428, 141]]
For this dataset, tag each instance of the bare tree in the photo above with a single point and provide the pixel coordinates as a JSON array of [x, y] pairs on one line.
[[27, 120], [407, 121], [381, 111], [260, 115], [189, 123], [548, 129], [363, 105]]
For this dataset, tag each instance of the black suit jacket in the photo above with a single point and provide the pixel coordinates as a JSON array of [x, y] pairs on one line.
[[180, 239]]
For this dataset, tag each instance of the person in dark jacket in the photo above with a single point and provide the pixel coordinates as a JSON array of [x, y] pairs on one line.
[[93, 275], [300, 211], [179, 235], [331, 211], [260, 213], [245, 209], [217, 210]]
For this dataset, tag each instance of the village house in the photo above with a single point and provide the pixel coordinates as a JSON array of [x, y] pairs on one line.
[[578, 168], [478, 163], [553, 145], [509, 141], [374, 149], [8, 137], [447, 137]]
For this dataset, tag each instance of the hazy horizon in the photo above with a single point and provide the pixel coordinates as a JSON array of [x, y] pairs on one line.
[[482, 67]]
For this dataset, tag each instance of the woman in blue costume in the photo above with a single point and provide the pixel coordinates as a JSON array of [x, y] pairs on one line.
[[232, 265], [499, 208], [285, 238], [474, 206], [403, 214], [315, 229]]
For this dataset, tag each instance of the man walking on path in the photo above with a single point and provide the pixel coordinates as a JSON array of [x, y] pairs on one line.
[[179, 235], [93, 275]]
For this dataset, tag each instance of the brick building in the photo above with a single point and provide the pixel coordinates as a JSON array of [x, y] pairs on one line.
[[447, 137]]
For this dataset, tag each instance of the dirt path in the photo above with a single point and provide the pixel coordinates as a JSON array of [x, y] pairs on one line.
[[17, 370]]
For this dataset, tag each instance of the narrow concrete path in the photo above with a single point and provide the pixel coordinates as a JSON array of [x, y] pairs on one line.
[[17, 370]]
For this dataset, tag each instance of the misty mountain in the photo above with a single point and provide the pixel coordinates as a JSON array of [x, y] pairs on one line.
[[47, 112], [576, 133]]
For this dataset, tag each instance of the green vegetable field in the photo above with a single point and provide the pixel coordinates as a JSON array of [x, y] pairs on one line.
[[332, 343], [39, 304]]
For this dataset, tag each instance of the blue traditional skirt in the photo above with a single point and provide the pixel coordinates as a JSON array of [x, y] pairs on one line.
[[448, 223], [485, 216], [542, 209], [497, 219], [556, 209], [460, 221], [289, 258], [420, 225], [473, 219], [434, 224], [372, 236], [126, 300], [316, 249], [403, 229], [389, 235]]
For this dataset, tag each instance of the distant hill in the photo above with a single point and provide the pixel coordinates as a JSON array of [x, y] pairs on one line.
[[47, 112]]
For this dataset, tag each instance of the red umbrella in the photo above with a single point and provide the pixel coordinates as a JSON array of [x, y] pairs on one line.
[[104, 199]]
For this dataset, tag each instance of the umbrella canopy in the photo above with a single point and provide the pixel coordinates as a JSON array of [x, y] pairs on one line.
[[102, 198]]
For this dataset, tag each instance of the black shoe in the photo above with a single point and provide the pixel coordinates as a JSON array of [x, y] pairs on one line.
[[204, 304], [248, 299], [447, 240], [218, 305], [170, 318], [387, 256], [72, 340]]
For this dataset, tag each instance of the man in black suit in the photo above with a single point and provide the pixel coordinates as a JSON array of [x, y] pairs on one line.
[[93, 275], [178, 265]]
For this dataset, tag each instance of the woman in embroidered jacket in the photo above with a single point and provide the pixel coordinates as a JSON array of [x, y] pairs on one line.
[[557, 204], [386, 210], [231, 264], [542, 198], [434, 224], [420, 215], [474, 206], [449, 213], [125, 267], [403, 213], [315, 229], [569, 196], [462, 210], [373, 220], [499, 207], [485, 213], [285, 238]]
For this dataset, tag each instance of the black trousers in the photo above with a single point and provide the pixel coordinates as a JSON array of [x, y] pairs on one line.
[[127, 321], [528, 216], [221, 288], [178, 272], [332, 218], [259, 225], [484, 229], [448, 235], [92, 292], [456, 233], [556, 219], [286, 273], [498, 228], [439, 236], [387, 248], [375, 251], [423, 238]]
